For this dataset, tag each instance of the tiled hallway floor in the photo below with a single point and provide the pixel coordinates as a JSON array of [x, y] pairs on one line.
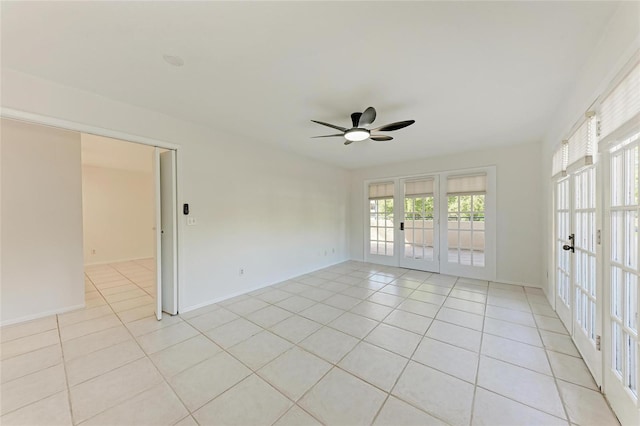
[[351, 344]]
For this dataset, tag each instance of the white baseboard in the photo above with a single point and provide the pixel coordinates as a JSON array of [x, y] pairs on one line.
[[240, 293], [106, 262], [496, 280], [41, 315], [517, 283]]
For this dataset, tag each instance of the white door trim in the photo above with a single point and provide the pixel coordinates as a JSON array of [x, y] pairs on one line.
[[488, 272], [16, 114]]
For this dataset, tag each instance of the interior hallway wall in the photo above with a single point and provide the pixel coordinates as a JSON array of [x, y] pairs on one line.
[[42, 271], [118, 200], [118, 214]]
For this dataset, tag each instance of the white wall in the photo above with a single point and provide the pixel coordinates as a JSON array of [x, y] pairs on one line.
[[518, 204], [270, 212], [118, 211], [618, 42], [42, 269]]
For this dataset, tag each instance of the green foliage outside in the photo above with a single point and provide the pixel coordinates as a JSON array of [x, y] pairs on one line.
[[471, 207]]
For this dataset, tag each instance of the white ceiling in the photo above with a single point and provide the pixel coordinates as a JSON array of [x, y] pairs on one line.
[[116, 154], [472, 74]]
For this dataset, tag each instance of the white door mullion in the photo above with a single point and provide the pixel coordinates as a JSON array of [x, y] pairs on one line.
[[622, 268]]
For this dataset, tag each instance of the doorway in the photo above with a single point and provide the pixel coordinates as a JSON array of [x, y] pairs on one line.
[[442, 222], [578, 292], [129, 203], [129, 206], [621, 167]]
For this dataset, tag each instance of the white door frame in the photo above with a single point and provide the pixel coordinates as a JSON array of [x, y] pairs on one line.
[[488, 272], [588, 348], [368, 256], [619, 396], [565, 313], [419, 264], [167, 205], [43, 120]]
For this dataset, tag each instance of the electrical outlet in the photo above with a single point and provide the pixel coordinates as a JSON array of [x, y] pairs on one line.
[[241, 272], [93, 251], [191, 221]]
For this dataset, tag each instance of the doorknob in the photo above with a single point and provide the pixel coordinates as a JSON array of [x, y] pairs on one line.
[[572, 246]]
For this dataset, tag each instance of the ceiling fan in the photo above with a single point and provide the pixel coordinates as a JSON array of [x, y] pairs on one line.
[[357, 133]]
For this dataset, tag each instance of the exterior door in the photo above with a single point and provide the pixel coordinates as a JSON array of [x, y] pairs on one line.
[[417, 245], [380, 244], [622, 272], [467, 232], [444, 223], [576, 274], [564, 238], [587, 313]]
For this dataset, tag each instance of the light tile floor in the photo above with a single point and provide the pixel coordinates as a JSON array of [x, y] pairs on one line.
[[350, 344]]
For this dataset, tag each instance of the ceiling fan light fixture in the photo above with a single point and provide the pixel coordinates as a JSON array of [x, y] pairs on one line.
[[356, 135]]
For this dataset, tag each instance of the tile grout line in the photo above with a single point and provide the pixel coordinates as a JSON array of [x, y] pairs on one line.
[[555, 379], [145, 355], [477, 375], [335, 365], [405, 368], [66, 375], [319, 285]]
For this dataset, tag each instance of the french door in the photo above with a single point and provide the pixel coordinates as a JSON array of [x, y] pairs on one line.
[[564, 265], [442, 222], [622, 272], [578, 292], [381, 211], [419, 229]]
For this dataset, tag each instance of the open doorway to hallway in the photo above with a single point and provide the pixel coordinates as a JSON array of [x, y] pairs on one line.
[[118, 206]]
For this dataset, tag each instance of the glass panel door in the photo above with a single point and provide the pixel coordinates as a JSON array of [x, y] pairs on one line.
[[405, 222], [563, 238], [622, 273], [465, 229], [380, 243], [418, 245], [575, 263], [587, 311], [468, 224]]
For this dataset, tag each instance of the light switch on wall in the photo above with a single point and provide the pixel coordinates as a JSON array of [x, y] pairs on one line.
[[191, 221]]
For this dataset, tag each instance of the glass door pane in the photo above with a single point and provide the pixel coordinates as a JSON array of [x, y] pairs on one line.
[[381, 227], [563, 257], [584, 279], [623, 207], [465, 229], [418, 246]]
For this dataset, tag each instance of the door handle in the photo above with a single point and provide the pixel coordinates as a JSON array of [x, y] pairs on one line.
[[402, 226], [571, 247]]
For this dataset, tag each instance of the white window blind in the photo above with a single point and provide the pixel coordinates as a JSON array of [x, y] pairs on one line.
[[621, 104], [559, 161], [467, 184], [419, 187], [581, 143], [380, 190]]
